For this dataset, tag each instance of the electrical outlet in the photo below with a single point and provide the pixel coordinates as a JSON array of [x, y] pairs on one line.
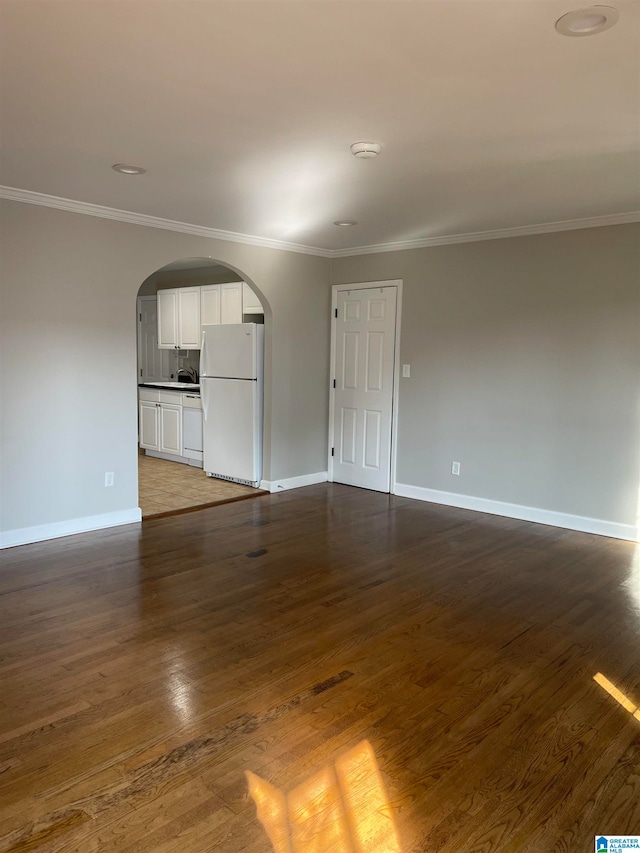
[[455, 468], [108, 478]]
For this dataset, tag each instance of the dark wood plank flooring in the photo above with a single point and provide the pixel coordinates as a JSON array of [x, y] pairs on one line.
[[392, 675]]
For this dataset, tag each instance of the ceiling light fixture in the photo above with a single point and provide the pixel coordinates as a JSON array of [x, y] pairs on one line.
[[126, 169], [345, 223], [366, 150], [587, 22]]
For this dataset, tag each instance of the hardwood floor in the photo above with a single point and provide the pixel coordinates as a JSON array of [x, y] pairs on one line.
[[322, 669]]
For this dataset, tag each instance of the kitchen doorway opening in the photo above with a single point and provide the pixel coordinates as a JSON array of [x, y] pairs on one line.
[[199, 441]]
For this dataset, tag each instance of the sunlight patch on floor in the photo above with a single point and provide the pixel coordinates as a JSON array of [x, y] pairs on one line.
[[618, 695], [341, 808]]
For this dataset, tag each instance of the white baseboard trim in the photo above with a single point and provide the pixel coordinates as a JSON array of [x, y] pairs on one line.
[[41, 532], [523, 513], [294, 482]]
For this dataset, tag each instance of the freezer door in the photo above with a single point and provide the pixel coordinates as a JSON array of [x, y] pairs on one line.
[[232, 434], [229, 351]]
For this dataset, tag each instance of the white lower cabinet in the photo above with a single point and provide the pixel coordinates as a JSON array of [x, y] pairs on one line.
[[160, 421], [170, 429], [149, 426]]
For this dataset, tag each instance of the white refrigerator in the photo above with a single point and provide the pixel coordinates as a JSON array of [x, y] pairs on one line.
[[231, 372]]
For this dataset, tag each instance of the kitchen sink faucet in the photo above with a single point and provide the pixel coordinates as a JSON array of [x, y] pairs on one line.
[[188, 371]]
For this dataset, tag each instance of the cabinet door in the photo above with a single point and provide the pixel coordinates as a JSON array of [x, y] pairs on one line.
[[250, 302], [189, 317], [150, 426], [167, 319], [210, 305], [171, 429], [231, 302]]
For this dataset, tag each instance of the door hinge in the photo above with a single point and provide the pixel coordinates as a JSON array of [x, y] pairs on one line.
[[140, 371], [333, 450], [334, 383], [335, 313], [140, 316]]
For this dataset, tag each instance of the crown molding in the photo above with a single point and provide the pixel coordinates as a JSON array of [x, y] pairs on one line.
[[84, 207], [30, 197], [500, 233]]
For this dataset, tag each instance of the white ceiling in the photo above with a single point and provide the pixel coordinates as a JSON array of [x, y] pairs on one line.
[[242, 112]]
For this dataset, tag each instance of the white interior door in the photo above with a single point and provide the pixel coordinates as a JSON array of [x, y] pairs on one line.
[[153, 363], [365, 329]]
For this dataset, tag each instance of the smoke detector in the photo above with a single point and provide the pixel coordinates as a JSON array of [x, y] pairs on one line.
[[366, 150]]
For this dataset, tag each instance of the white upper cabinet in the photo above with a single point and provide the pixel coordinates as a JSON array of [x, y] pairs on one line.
[[210, 305], [231, 302], [183, 310], [189, 317], [167, 319], [221, 303], [179, 318], [250, 302]]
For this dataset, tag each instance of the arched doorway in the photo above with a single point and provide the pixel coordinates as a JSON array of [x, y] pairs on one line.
[[173, 303]]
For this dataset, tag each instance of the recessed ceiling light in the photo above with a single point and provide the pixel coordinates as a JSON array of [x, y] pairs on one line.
[[126, 169], [587, 22], [366, 150], [345, 223]]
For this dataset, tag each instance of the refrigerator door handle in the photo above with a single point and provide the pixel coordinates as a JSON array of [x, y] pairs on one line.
[[203, 360], [203, 395]]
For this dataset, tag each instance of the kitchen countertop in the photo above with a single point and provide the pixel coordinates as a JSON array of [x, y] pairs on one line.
[[172, 386]]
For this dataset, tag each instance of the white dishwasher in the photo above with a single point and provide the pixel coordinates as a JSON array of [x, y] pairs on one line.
[[192, 428]]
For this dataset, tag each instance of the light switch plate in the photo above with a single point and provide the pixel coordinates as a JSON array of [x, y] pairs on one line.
[[406, 371]]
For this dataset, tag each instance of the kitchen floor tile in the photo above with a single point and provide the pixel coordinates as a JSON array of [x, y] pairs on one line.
[[171, 486]]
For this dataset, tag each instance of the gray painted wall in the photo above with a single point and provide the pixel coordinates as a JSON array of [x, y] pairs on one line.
[[525, 357], [68, 357], [525, 367]]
